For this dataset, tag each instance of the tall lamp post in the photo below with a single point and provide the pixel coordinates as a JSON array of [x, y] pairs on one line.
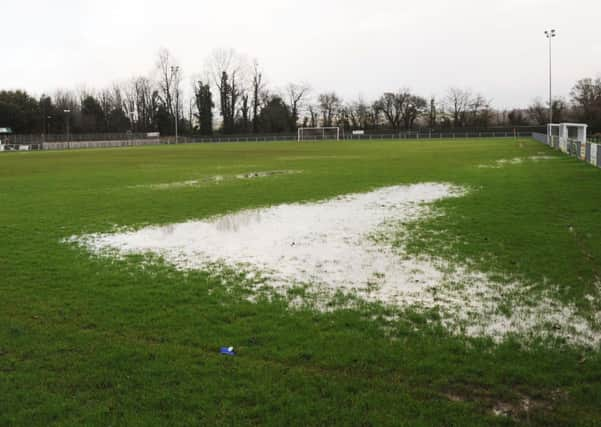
[[550, 34], [175, 74]]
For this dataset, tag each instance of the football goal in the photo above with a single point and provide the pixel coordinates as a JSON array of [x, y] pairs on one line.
[[318, 134]]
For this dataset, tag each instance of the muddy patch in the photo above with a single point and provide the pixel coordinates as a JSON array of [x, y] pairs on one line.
[[265, 174], [332, 157], [519, 407], [214, 179], [515, 161], [344, 245]]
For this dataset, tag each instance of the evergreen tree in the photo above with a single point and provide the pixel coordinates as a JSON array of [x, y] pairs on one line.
[[226, 110], [92, 115], [204, 107]]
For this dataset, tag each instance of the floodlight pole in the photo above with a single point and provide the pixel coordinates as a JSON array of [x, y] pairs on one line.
[[550, 34]]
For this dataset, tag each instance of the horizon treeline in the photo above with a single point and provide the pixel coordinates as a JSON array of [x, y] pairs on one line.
[[233, 97]]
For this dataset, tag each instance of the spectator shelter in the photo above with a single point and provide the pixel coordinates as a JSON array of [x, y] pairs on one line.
[[561, 135]]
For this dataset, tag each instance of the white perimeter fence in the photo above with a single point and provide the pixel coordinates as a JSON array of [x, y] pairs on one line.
[[74, 145], [112, 143], [589, 152]]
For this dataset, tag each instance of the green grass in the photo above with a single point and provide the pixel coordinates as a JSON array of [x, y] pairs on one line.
[[95, 341]]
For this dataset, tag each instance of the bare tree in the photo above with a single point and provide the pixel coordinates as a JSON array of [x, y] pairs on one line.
[[415, 107], [145, 103], [129, 102], [479, 111], [169, 83], [374, 115], [229, 72], [217, 62], [586, 99], [105, 98], [560, 110], [343, 118], [358, 114], [329, 103], [394, 106], [296, 95], [313, 115], [257, 88], [458, 101], [68, 111], [538, 113], [516, 118], [118, 102]]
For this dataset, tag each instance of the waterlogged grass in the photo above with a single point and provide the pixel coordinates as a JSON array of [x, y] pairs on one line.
[[100, 341]]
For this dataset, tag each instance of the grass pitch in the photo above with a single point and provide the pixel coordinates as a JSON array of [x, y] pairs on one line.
[[100, 341]]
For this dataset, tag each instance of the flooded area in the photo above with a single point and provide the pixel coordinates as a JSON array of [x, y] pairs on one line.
[[345, 245], [326, 243]]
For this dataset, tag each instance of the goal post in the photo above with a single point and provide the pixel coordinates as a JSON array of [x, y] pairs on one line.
[[319, 134]]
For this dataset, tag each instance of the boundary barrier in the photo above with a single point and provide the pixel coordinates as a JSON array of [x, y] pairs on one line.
[[589, 152], [129, 142]]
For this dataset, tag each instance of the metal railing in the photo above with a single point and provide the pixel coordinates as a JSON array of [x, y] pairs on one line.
[[142, 139], [589, 152], [20, 147], [22, 139], [366, 137]]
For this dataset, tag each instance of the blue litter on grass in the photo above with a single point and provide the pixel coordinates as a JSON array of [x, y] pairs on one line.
[[227, 351]]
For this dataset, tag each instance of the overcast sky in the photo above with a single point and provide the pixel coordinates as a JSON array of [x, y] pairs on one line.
[[357, 48]]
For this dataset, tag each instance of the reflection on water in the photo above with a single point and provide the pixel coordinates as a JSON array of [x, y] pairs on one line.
[[236, 221], [168, 229]]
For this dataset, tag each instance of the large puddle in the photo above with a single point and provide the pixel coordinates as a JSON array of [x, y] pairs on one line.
[[344, 245], [330, 243]]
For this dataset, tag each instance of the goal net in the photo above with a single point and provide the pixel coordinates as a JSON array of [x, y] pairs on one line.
[[319, 134]]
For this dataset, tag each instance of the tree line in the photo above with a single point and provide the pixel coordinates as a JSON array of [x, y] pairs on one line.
[[231, 96]]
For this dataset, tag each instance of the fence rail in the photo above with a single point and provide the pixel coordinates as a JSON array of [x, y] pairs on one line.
[[367, 137], [19, 139], [142, 139], [589, 152]]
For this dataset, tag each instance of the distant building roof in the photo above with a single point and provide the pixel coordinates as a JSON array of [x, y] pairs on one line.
[[5, 130]]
